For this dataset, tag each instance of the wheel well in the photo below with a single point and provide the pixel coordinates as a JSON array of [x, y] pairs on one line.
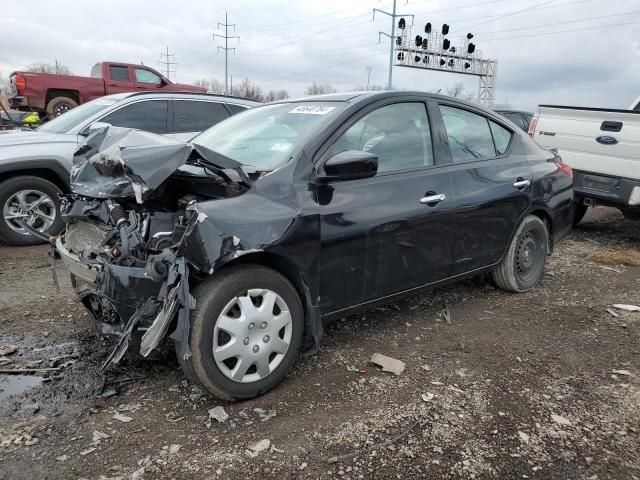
[[546, 218], [45, 173], [53, 93]]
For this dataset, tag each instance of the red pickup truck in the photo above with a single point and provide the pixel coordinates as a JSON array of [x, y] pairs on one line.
[[56, 94]]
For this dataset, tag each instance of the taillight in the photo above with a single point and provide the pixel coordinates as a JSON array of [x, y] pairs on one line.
[[532, 125], [565, 168], [21, 83]]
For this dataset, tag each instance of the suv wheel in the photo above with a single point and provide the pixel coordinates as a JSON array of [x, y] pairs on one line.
[[246, 332], [522, 267], [32, 200]]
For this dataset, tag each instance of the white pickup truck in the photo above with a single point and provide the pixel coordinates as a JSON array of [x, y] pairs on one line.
[[603, 148]]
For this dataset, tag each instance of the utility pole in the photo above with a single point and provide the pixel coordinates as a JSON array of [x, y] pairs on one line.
[[392, 37], [226, 47], [167, 63], [368, 75]]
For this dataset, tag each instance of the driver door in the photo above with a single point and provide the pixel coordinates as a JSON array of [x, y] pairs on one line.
[[378, 236]]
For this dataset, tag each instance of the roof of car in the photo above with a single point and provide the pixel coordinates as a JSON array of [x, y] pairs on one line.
[[186, 95], [363, 95]]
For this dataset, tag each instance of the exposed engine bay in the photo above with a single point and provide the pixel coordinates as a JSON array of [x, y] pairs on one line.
[[132, 240]]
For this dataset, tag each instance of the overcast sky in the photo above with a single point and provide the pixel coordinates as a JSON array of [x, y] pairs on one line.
[[578, 52]]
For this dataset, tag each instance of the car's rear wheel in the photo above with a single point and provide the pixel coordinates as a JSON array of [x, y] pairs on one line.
[[246, 332], [59, 105], [522, 267], [32, 200]]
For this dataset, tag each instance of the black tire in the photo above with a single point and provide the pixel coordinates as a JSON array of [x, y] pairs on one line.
[[630, 214], [522, 267], [10, 187], [59, 105], [580, 210], [212, 296]]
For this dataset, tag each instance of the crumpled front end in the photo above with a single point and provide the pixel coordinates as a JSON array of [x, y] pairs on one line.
[[130, 242]]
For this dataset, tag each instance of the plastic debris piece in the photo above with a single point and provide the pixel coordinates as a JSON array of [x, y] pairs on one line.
[[7, 349], [622, 372], [388, 364], [626, 308], [218, 414], [123, 418], [560, 420]]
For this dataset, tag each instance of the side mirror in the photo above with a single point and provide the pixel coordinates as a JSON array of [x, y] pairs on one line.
[[349, 165], [98, 126]]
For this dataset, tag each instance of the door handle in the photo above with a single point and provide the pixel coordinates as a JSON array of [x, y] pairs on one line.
[[522, 183], [433, 199]]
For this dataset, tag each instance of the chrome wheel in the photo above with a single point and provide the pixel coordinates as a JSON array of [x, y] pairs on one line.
[[33, 207], [252, 335], [61, 108]]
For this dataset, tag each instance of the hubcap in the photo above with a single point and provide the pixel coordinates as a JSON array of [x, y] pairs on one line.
[[252, 335], [60, 109], [529, 255], [32, 207]]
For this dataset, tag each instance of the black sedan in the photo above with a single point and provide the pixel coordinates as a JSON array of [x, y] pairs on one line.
[[238, 245]]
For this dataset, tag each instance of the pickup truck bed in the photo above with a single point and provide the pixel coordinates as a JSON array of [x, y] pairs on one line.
[[603, 148]]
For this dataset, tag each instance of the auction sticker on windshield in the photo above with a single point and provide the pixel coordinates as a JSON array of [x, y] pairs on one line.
[[312, 109]]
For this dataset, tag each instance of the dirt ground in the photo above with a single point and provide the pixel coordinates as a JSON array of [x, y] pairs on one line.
[[542, 385]]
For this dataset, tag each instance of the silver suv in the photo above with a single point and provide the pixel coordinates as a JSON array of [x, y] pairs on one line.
[[35, 164]]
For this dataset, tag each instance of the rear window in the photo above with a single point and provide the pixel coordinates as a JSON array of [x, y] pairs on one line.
[[468, 134], [197, 116], [235, 108], [119, 73], [149, 115]]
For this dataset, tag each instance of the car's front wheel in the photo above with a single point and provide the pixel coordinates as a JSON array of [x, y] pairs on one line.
[[32, 201], [246, 332], [522, 267]]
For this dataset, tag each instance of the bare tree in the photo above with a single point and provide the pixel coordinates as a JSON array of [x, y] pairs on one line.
[[273, 95], [4, 84], [204, 83], [248, 89], [42, 67], [319, 89], [372, 88], [458, 91]]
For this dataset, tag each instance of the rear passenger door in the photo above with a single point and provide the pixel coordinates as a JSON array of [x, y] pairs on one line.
[[191, 117], [149, 115], [492, 185], [119, 79]]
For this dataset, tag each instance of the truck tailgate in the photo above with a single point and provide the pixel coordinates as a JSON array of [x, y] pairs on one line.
[[580, 134]]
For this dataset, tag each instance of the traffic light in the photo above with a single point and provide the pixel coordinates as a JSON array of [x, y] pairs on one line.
[[467, 65], [451, 63], [417, 59], [427, 28], [401, 56], [418, 41], [452, 49], [402, 24], [445, 29], [425, 60], [471, 48], [398, 41], [442, 62], [446, 44], [469, 36]]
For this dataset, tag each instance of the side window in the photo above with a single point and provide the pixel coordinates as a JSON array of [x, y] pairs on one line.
[[468, 133], [149, 115], [236, 108], [398, 134], [119, 73], [501, 137], [192, 116], [145, 76], [516, 118]]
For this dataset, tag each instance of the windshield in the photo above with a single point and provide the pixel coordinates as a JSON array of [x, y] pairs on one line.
[[265, 137], [75, 117]]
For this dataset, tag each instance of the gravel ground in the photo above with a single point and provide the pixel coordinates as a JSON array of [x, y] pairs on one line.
[[537, 385]]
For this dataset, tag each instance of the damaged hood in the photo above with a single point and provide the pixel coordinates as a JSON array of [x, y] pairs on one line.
[[117, 162]]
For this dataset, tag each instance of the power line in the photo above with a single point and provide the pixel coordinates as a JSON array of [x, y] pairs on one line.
[[593, 27], [507, 15], [226, 47], [167, 63]]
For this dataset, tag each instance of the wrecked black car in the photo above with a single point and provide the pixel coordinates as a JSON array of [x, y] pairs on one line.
[[237, 245]]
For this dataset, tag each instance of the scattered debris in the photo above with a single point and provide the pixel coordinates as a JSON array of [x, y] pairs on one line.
[[445, 314], [276, 450], [627, 308], [560, 420], [302, 466], [174, 448], [88, 451], [97, 436], [622, 372], [455, 390], [264, 414], [122, 418], [7, 350], [427, 397], [388, 364], [613, 314], [611, 269], [218, 414], [374, 446], [524, 436], [255, 448], [129, 407], [29, 370], [62, 458]]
